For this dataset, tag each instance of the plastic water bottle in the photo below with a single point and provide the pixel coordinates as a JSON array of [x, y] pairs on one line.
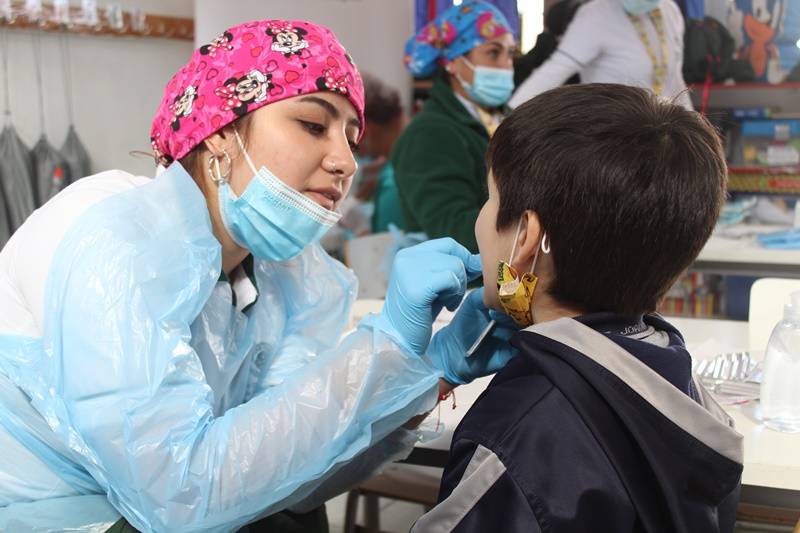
[[780, 380]]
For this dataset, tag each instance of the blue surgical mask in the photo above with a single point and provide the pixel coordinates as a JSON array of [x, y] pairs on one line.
[[640, 7], [271, 219], [491, 87]]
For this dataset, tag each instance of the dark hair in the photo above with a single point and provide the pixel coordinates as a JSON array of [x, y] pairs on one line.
[[381, 102], [196, 161], [628, 187], [560, 15]]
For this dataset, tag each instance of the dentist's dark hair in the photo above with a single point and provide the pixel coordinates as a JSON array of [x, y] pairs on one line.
[[196, 161]]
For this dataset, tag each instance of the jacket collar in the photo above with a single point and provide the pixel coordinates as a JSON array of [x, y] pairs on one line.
[[443, 97]]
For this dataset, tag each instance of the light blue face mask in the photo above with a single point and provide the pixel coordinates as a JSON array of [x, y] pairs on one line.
[[271, 219], [491, 87], [640, 7]]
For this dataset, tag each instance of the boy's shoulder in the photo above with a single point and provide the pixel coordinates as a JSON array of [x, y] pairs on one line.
[[543, 446], [516, 401]]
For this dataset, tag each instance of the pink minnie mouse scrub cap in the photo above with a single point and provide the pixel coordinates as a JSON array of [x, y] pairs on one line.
[[246, 67]]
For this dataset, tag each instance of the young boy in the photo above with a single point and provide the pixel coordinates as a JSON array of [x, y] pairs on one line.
[[606, 194]]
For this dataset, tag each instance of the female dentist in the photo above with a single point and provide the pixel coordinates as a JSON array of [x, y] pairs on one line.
[[171, 345]]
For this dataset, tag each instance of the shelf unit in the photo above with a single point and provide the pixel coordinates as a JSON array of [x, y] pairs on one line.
[[727, 265], [779, 181], [128, 24], [785, 96]]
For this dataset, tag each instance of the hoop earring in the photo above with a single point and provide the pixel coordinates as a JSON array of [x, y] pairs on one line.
[[213, 162], [545, 244]]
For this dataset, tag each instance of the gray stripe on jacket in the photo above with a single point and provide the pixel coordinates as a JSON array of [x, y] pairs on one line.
[[484, 469]]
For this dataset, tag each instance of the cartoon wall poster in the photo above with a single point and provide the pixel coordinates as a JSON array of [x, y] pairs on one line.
[[766, 34]]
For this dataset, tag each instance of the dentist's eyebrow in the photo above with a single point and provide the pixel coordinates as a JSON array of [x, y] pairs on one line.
[[330, 109]]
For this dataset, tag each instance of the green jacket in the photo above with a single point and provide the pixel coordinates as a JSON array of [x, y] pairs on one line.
[[440, 171]]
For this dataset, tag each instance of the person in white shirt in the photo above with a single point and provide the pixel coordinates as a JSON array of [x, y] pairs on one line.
[[632, 42]]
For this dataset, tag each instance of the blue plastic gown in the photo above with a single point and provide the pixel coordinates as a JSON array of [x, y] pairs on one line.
[[188, 414]]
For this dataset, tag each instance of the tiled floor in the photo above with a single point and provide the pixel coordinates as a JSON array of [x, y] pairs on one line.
[[395, 516]]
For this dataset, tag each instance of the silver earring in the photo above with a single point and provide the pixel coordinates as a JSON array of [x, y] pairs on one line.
[[545, 244], [213, 162]]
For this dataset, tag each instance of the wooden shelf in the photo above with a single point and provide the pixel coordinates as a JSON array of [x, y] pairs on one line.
[[748, 86], [783, 96], [133, 24]]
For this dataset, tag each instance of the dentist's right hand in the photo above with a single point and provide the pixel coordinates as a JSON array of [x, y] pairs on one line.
[[424, 278]]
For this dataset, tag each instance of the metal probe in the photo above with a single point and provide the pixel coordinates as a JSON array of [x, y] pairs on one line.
[[480, 339]]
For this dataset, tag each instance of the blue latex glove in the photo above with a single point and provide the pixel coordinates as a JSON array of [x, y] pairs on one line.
[[424, 278], [449, 346]]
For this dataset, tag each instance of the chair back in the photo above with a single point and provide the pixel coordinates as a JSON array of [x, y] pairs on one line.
[[767, 298]]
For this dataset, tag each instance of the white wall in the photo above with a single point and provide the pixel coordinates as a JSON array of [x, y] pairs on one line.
[[532, 22], [374, 32], [117, 84]]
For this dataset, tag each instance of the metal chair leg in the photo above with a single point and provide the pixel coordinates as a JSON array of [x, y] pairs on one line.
[[371, 513], [351, 509]]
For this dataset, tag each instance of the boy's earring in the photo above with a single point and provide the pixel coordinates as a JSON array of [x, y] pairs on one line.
[[545, 244]]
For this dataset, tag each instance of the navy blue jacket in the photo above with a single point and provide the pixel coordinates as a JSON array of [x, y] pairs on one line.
[[579, 434]]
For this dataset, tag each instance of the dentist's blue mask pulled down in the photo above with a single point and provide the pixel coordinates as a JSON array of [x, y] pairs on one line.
[[491, 87], [272, 220]]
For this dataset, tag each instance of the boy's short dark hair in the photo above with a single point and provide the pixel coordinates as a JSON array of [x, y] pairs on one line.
[[628, 187]]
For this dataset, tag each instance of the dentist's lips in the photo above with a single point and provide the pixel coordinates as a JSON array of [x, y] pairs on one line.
[[327, 198]]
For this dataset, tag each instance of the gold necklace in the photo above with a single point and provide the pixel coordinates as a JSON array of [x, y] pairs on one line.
[[489, 120], [659, 68]]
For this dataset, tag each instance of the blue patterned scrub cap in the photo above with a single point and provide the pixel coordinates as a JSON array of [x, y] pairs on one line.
[[453, 33]]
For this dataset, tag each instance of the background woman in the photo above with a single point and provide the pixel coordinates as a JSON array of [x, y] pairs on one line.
[[438, 161], [632, 42]]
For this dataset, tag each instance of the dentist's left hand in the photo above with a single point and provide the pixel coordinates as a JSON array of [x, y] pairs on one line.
[[448, 349], [425, 278]]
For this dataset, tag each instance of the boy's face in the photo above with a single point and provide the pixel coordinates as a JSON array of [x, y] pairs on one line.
[[493, 246]]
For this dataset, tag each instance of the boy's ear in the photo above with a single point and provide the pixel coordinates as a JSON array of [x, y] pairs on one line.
[[530, 237]]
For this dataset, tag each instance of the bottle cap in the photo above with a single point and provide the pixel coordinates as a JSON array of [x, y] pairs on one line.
[[792, 310]]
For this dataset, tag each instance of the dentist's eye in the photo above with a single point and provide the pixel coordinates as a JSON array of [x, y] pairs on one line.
[[355, 147], [313, 127]]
